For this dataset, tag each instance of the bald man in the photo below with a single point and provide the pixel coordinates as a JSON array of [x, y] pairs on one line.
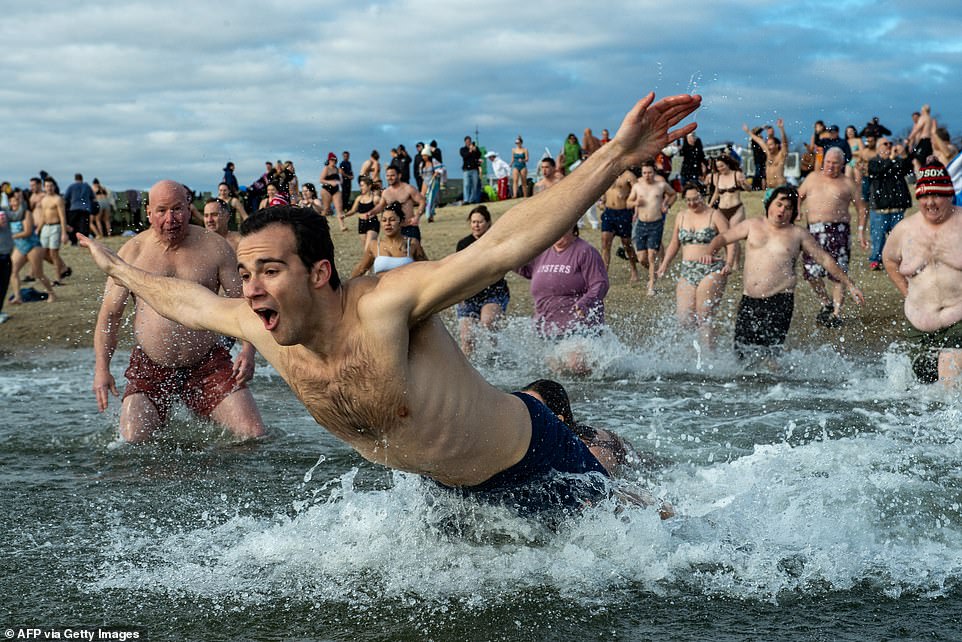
[[826, 197], [170, 360]]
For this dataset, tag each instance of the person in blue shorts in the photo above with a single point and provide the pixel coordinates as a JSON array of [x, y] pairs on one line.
[[616, 221]]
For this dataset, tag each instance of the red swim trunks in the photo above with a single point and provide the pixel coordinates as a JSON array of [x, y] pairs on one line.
[[201, 386]]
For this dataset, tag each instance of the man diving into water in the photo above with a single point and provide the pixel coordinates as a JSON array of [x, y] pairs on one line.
[[370, 359]]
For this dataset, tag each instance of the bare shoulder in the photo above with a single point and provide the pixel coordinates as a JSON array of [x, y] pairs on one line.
[[132, 249], [372, 299]]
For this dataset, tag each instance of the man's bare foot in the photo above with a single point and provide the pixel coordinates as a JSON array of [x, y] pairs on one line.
[[51, 298], [651, 291]]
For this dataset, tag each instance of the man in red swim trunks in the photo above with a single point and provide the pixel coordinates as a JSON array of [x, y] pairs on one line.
[[170, 360]]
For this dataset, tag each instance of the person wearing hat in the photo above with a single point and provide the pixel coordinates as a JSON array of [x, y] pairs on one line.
[[832, 139], [923, 258], [827, 196], [772, 246], [501, 172]]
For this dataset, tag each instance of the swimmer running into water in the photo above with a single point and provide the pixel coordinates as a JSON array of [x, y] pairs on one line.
[[424, 409]]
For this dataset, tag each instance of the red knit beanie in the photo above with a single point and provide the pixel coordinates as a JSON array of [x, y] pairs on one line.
[[933, 179]]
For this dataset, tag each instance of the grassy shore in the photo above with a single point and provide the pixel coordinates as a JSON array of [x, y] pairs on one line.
[[69, 322]]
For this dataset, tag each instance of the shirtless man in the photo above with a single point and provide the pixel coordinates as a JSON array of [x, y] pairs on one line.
[[52, 226], [234, 205], [549, 175], [923, 257], [216, 216], [827, 195], [169, 359], [616, 221], [36, 195], [772, 246], [919, 139], [776, 151], [372, 168], [651, 197], [410, 199], [370, 358]]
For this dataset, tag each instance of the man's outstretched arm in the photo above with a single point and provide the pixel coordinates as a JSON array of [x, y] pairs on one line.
[[185, 302], [530, 227]]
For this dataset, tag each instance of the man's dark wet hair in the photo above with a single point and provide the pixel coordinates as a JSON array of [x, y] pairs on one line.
[[555, 398], [550, 161], [224, 207], [311, 232], [788, 191]]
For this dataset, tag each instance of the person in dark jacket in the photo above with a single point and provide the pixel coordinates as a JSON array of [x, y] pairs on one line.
[[888, 195]]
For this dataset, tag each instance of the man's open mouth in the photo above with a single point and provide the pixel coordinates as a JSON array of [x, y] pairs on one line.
[[268, 316]]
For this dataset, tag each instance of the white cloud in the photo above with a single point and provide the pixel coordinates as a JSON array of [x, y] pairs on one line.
[[138, 91]]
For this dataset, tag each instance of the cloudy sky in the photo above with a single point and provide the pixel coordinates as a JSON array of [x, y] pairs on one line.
[[132, 91]]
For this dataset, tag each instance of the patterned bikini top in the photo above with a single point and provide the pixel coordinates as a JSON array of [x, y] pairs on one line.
[[703, 236]]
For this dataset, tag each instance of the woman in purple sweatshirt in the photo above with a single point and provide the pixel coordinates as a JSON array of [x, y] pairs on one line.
[[568, 283]]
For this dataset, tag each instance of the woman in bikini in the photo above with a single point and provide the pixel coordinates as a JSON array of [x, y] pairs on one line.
[[368, 226], [701, 285], [390, 250], [726, 182], [330, 182], [309, 199], [855, 144]]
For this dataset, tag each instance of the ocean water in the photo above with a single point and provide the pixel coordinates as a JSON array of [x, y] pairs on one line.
[[818, 502]]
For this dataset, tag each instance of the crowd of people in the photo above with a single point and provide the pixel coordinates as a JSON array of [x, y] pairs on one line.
[[304, 316]]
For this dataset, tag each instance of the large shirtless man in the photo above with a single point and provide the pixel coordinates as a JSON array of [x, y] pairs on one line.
[[827, 195], [370, 358], [616, 221], [407, 198], [923, 257], [651, 197], [772, 246], [52, 226], [776, 151], [171, 360]]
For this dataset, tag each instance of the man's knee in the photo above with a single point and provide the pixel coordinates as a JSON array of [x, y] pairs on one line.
[[238, 413]]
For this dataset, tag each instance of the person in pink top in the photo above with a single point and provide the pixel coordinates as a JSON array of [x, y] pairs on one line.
[[568, 284]]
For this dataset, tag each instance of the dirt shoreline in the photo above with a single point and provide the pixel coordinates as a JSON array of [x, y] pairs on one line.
[[69, 322]]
